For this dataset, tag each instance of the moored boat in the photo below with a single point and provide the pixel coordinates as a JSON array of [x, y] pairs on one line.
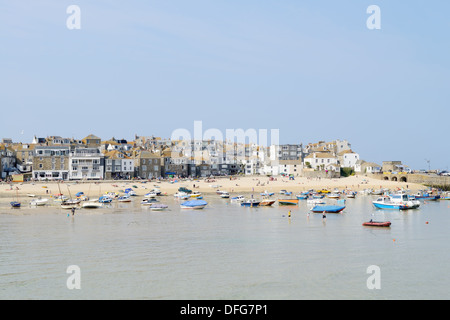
[[15, 204], [377, 224], [194, 204], [158, 207], [238, 199], [287, 202], [224, 195], [250, 203], [39, 202], [328, 209], [397, 202], [266, 202]]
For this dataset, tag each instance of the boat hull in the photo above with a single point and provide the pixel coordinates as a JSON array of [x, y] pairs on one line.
[[246, 204], [288, 202], [328, 209], [385, 224]]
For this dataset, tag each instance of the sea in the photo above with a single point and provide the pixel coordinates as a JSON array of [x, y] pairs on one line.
[[224, 252]]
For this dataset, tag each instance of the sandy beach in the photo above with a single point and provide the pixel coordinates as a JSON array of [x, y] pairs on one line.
[[237, 185]]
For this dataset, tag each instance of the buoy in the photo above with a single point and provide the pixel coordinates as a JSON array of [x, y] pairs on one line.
[[426, 222], [393, 240]]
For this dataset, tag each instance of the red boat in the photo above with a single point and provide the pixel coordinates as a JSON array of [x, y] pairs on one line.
[[377, 224]]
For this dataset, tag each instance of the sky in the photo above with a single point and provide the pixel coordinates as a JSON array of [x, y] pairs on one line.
[[311, 69]]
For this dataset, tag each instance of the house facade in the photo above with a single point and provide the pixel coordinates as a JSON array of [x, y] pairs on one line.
[[51, 163], [86, 164]]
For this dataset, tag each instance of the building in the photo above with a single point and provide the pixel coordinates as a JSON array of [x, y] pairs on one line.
[[86, 164], [51, 163], [92, 141], [348, 158], [320, 161], [148, 165], [118, 166]]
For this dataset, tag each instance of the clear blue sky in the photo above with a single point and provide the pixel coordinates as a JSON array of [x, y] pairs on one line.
[[311, 69]]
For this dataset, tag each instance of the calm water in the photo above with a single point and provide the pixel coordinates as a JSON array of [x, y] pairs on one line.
[[224, 252]]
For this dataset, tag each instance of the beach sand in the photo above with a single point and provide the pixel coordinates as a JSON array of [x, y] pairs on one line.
[[245, 184]]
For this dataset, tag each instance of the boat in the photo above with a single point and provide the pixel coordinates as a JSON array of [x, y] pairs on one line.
[[124, 199], [396, 201], [327, 209], [181, 195], [225, 195], [70, 204], [426, 196], [15, 204], [195, 195], [148, 201], [158, 207], [92, 205], [351, 194], [151, 194], [371, 223], [287, 202], [315, 201], [194, 204], [238, 199], [105, 199], [334, 195], [250, 203], [266, 202], [301, 196], [267, 194], [39, 202], [130, 192], [445, 196]]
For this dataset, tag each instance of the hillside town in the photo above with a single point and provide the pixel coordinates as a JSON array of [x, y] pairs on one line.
[[91, 158]]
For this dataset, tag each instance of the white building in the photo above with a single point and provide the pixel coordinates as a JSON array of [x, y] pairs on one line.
[[348, 158], [86, 164], [320, 161]]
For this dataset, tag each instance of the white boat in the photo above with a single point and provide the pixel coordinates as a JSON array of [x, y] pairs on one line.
[[334, 195], [39, 202], [148, 201], [158, 207], [151, 194], [92, 205], [225, 195], [124, 199], [315, 201], [70, 204], [238, 199], [181, 195], [195, 194], [194, 204], [396, 201]]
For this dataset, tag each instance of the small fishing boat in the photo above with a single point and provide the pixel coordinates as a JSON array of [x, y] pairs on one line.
[[266, 202], [195, 195], [70, 204], [426, 196], [327, 209], [315, 201], [377, 224], [158, 207], [194, 204], [396, 201], [105, 199], [225, 195], [124, 199], [334, 195], [15, 204], [287, 202], [250, 203], [267, 194], [351, 194], [92, 205], [238, 199], [130, 192], [39, 202], [151, 194], [148, 201], [181, 195], [301, 196]]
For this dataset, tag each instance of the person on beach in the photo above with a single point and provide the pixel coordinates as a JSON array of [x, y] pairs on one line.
[[73, 211], [324, 216]]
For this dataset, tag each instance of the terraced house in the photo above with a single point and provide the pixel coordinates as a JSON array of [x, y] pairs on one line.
[[86, 164], [51, 163]]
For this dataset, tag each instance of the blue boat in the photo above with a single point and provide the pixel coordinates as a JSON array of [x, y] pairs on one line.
[[396, 202], [302, 196], [105, 199], [15, 204], [194, 204], [250, 203], [327, 209]]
